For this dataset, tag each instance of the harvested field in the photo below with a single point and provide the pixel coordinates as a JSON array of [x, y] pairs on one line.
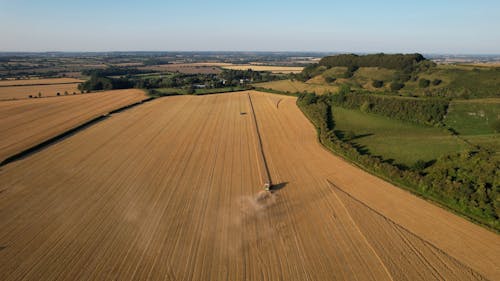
[[48, 81], [23, 92], [186, 68], [25, 123], [172, 190]]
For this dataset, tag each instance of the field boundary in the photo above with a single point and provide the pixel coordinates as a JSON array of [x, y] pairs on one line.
[[39, 84], [68, 133], [404, 229]]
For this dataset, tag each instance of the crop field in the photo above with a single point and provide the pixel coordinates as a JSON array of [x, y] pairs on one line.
[[172, 189], [25, 123], [47, 81], [23, 92], [297, 86], [184, 68], [403, 142]]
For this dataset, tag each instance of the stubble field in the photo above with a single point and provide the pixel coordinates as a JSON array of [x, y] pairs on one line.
[[24, 123], [171, 190]]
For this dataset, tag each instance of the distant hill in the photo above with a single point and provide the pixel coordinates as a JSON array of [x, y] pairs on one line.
[[402, 74]]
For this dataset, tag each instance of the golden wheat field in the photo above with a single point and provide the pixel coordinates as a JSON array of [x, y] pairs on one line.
[[49, 90], [42, 81], [24, 123], [172, 190]]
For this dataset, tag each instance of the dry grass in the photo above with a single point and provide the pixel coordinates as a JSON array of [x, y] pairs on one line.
[[172, 190], [297, 86], [25, 123]]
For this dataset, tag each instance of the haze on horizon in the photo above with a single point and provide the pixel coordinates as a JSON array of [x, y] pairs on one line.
[[452, 27]]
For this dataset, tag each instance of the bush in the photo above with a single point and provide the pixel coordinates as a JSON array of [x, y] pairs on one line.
[[396, 86], [366, 106], [496, 126], [349, 135], [378, 83], [330, 79], [436, 82], [423, 83]]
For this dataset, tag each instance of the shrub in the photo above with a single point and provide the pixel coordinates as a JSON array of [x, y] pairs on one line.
[[436, 82], [330, 79], [496, 126], [378, 83], [423, 83], [396, 86]]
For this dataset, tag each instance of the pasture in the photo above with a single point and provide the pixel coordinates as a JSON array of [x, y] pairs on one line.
[[297, 86], [403, 142]]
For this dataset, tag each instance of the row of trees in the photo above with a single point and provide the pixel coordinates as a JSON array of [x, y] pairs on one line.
[[466, 182], [96, 83], [114, 71], [398, 61]]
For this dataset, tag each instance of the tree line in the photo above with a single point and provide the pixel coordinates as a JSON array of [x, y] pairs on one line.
[[397, 61]]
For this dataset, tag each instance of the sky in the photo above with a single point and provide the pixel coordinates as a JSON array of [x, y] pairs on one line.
[[431, 27]]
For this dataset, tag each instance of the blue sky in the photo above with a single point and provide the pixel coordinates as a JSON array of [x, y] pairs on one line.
[[439, 26]]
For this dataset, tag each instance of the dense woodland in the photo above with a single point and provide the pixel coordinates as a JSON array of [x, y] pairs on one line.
[[467, 182]]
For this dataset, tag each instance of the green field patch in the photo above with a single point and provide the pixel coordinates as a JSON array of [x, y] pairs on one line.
[[473, 117], [405, 143]]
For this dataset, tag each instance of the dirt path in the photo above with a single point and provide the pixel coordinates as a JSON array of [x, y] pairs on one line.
[[167, 191]]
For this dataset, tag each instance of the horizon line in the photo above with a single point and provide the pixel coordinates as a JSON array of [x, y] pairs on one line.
[[249, 51]]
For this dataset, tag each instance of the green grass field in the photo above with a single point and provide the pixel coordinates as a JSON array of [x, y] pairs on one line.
[[403, 142], [473, 117]]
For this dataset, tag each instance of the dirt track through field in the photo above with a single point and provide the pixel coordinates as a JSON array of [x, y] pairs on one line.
[[29, 122], [167, 191]]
